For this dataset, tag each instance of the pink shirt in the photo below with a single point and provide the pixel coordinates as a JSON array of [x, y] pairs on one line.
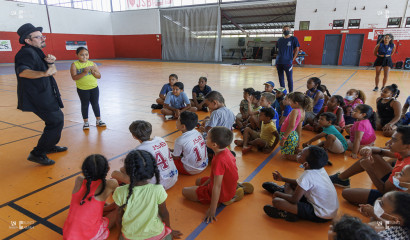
[[286, 122], [349, 107], [368, 132]]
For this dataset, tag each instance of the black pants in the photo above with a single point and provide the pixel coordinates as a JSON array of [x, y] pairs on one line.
[[87, 97], [52, 132]]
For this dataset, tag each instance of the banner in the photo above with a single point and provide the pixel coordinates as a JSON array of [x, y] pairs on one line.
[[145, 4], [73, 45], [5, 46], [398, 33]]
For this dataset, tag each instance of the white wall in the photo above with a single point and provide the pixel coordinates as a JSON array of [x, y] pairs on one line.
[[78, 21], [13, 15], [136, 22], [375, 12]]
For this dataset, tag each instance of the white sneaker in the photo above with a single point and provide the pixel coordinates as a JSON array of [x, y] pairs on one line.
[[86, 126], [100, 123], [169, 117]]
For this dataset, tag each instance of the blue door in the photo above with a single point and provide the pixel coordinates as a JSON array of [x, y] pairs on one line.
[[353, 49], [331, 49]]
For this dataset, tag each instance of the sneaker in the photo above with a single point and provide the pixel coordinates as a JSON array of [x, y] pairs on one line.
[[169, 117], [273, 212], [273, 187], [238, 196], [156, 106], [57, 149], [100, 124], [247, 187], [43, 159], [339, 182], [376, 89], [382, 89], [86, 126]]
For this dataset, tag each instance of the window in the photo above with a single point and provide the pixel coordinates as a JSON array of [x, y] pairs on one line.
[[304, 25], [394, 22], [353, 23], [338, 24], [408, 22]]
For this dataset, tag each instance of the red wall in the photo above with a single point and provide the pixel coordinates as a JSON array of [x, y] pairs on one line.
[[100, 46], [143, 46], [314, 48]]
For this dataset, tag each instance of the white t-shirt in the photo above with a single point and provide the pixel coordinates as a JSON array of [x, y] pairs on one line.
[[193, 148], [320, 192], [166, 166]]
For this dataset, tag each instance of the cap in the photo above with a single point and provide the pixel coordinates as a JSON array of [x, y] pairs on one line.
[[281, 89], [269, 83]]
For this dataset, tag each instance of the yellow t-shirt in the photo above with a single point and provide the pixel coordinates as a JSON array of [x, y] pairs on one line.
[[88, 81], [140, 219], [267, 132]]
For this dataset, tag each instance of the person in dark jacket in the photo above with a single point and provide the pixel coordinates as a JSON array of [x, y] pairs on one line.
[[37, 91]]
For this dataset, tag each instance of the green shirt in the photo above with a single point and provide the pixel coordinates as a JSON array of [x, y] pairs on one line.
[[333, 131], [88, 81], [140, 219]]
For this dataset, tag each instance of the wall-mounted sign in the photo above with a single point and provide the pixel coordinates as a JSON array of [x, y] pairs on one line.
[[73, 45], [398, 33], [144, 4], [344, 31], [307, 38], [5, 46]]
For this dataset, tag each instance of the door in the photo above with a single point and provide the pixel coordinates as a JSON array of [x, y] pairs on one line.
[[352, 50], [331, 49]]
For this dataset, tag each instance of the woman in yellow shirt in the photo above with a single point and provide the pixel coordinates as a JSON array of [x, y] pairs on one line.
[[85, 74]]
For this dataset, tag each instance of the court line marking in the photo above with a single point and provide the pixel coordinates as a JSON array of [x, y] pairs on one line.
[[221, 207], [310, 75], [344, 83], [15, 125]]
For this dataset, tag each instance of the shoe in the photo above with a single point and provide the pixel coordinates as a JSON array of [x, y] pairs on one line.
[[169, 117], [273, 212], [247, 187], [273, 187], [376, 89], [238, 196], [233, 153], [156, 106], [86, 126], [100, 124], [382, 89], [339, 182], [57, 149], [329, 163], [43, 160]]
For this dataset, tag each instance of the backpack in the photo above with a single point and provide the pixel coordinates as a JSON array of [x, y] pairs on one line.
[[399, 65]]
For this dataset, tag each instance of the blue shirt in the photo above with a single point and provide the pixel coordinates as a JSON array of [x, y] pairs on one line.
[[221, 117], [286, 46], [177, 102], [200, 95], [287, 110], [165, 89], [408, 101], [385, 49]]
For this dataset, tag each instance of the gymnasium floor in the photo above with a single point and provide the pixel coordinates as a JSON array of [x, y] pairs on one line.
[[37, 197]]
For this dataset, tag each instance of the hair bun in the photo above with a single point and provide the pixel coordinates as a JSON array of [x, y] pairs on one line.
[[394, 86]]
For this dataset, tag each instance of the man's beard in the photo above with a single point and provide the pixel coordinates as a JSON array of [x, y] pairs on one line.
[[43, 44]]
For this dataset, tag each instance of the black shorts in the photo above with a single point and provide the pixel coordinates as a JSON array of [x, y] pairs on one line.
[[306, 211], [373, 196], [383, 61]]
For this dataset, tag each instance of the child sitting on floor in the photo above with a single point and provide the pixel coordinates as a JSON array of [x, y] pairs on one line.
[[405, 116], [265, 140], [221, 115], [312, 196], [173, 78], [221, 186], [190, 155], [280, 94], [353, 98], [313, 86], [362, 131], [335, 142], [141, 130], [198, 94], [265, 102], [142, 204], [85, 218], [243, 108], [351, 228], [176, 102], [334, 105]]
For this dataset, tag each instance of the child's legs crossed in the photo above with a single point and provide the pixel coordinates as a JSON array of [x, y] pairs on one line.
[[333, 144], [167, 111]]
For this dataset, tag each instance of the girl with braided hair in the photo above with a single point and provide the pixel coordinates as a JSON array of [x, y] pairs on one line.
[[142, 204], [85, 218]]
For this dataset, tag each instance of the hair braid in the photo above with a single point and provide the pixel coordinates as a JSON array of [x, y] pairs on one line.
[[103, 177], [129, 168]]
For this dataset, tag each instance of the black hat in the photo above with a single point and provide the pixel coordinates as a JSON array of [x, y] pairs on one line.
[[25, 30]]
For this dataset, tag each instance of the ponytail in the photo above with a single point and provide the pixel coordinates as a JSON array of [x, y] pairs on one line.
[[324, 89], [307, 104], [373, 118], [395, 90], [361, 95], [304, 101]]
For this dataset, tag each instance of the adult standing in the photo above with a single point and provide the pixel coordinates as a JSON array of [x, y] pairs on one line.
[[383, 51], [288, 48], [37, 91]]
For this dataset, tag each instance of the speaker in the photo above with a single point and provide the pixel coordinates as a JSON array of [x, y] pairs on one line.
[[406, 64], [241, 42]]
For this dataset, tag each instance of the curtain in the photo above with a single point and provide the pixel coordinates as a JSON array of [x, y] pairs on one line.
[[191, 34]]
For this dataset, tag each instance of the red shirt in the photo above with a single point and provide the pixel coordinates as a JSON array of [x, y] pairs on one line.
[[84, 221], [224, 163], [400, 164]]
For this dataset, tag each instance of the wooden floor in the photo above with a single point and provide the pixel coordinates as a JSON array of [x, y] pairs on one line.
[[39, 196]]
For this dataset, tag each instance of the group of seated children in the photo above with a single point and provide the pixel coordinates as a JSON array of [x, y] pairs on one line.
[[266, 119]]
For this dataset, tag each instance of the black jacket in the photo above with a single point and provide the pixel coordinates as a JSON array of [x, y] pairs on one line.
[[35, 95]]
